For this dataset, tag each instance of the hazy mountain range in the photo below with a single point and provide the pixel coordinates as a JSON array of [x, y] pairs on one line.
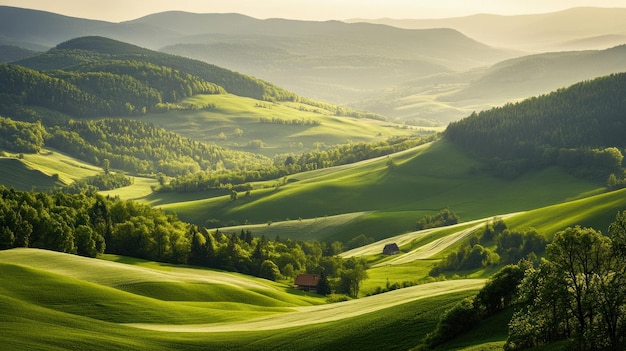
[[574, 29], [428, 70]]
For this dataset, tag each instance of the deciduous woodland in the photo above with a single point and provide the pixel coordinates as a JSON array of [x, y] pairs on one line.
[[89, 225]]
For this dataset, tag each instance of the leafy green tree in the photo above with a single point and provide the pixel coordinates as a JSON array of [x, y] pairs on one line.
[[351, 277], [106, 166], [577, 292], [461, 318], [323, 285], [85, 242], [269, 270], [500, 291]]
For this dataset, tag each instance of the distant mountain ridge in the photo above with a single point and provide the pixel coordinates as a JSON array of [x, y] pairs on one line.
[[415, 75], [331, 60], [541, 73], [579, 28]]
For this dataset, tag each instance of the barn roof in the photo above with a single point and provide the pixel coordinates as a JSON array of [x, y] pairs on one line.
[[307, 280], [392, 246]]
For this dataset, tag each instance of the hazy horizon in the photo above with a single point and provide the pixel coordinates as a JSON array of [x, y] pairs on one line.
[[119, 10]]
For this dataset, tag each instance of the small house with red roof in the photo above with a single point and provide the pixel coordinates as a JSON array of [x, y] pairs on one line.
[[307, 282]]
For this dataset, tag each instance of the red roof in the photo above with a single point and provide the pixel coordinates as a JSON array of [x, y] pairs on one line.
[[307, 280]]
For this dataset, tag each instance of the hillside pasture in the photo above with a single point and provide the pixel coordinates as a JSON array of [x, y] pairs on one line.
[[43, 171], [421, 182], [234, 122], [141, 188], [77, 302], [68, 168], [331, 312], [15, 173], [596, 211]]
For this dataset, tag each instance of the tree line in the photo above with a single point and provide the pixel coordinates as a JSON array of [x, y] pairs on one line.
[[287, 164], [575, 295], [88, 224], [133, 146], [510, 247], [579, 128], [98, 182]]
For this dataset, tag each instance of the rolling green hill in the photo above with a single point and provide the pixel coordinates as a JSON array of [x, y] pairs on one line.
[[383, 199], [138, 70], [578, 128], [15, 173], [88, 302]]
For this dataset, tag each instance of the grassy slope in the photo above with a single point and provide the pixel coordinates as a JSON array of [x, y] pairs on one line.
[[19, 175], [37, 170], [232, 112], [595, 211], [140, 188], [388, 201], [76, 302], [68, 168]]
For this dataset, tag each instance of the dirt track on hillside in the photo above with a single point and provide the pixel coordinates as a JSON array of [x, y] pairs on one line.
[[308, 315]]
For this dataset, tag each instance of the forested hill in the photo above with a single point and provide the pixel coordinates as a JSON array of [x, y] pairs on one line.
[[111, 77], [581, 127]]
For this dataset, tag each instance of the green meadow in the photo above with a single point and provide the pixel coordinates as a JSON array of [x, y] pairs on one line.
[[15, 173], [118, 302], [379, 200], [74, 302], [43, 171], [234, 122]]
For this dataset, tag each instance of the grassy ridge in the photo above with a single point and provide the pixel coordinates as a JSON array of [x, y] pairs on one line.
[[422, 181], [231, 112], [43, 171], [594, 211], [15, 173], [52, 293]]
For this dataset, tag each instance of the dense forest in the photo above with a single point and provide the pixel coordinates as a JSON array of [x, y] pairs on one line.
[[580, 128], [104, 89], [90, 50], [88, 224], [128, 145], [96, 77]]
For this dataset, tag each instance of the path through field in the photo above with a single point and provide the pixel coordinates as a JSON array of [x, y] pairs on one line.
[[425, 251], [302, 316]]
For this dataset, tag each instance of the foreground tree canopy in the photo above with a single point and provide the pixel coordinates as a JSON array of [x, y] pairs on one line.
[[578, 292]]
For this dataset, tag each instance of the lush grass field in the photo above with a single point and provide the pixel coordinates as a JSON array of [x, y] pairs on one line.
[[595, 211], [234, 112], [140, 189], [390, 199], [15, 173], [43, 171], [54, 301]]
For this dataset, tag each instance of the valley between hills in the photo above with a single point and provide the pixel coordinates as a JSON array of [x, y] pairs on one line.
[[216, 181]]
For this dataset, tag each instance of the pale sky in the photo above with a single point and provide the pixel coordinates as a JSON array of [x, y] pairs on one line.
[[122, 10]]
